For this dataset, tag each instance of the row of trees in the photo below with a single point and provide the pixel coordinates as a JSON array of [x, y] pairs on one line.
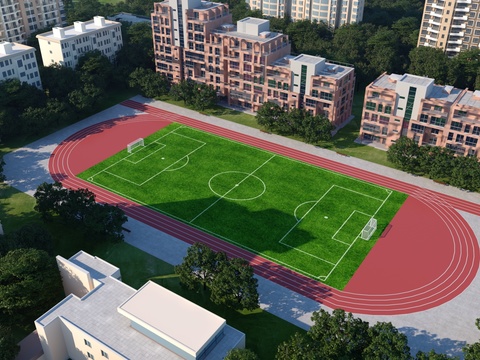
[[199, 96], [342, 336], [230, 281], [437, 163], [299, 122], [79, 209]]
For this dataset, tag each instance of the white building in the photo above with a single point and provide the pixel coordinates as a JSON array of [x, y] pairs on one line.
[[333, 12], [103, 318], [18, 61], [65, 46], [20, 18]]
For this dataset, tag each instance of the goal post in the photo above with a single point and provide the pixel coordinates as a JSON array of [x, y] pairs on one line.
[[135, 144], [369, 229]]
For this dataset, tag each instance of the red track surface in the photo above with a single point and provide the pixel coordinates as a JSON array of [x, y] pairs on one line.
[[429, 256]]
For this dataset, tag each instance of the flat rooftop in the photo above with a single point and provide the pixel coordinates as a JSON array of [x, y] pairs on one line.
[[17, 49], [335, 71], [254, 21], [470, 99], [309, 59], [71, 32], [174, 316], [441, 92], [241, 35]]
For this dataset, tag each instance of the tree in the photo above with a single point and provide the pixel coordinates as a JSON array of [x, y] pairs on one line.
[[95, 69], [30, 284], [386, 343], [183, 91], [466, 173], [33, 236], [2, 175], [269, 115], [199, 266], [137, 50], [432, 355], [235, 286], [8, 345], [339, 335], [464, 68], [48, 198], [204, 97], [429, 62], [58, 80], [317, 128], [405, 154], [298, 347], [472, 352], [104, 221], [149, 83], [241, 354]]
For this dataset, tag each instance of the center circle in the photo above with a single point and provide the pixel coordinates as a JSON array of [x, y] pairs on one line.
[[237, 185]]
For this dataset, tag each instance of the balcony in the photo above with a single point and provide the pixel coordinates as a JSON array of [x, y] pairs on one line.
[[454, 49], [463, 10], [464, 1], [436, 6], [240, 95], [461, 33], [433, 22], [429, 37], [433, 13], [432, 30], [458, 42], [464, 17], [459, 26]]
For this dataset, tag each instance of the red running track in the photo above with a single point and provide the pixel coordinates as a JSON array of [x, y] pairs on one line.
[[408, 270]]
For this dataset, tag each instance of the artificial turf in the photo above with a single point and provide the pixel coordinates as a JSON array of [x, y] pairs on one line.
[[304, 217]]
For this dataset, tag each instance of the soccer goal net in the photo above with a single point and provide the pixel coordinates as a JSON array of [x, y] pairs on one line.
[[369, 229], [135, 144]]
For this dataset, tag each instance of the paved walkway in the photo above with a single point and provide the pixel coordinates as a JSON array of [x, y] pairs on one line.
[[446, 328]]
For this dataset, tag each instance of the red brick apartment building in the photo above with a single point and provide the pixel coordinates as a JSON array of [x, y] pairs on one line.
[[414, 106], [247, 63]]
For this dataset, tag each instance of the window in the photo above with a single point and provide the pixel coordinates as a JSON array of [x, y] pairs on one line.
[[424, 118], [418, 128], [434, 131], [310, 102], [90, 356], [104, 354], [459, 138], [380, 108], [315, 93], [388, 109], [437, 121], [461, 113], [437, 108], [471, 141], [271, 83], [456, 126], [87, 342], [450, 136], [326, 96], [370, 105], [476, 130], [467, 129], [375, 94]]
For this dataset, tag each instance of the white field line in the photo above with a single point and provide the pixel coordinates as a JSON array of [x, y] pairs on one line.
[[358, 235], [362, 194], [340, 228], [145, 157], [233, 188], [126, 157]]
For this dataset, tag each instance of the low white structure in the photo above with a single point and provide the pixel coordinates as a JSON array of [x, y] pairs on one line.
[[18, 61], [64, 46], [103, 318]]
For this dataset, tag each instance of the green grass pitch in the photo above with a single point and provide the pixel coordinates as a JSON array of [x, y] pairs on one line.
[[298, 215]]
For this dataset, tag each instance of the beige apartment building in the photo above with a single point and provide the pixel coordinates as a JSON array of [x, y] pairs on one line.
[[246, 63], [103, 318], [18, 61], [450, 25], [414, 106], [335, 13], [64, 46], [20, 18]]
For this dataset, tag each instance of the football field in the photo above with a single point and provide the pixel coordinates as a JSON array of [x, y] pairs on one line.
[[301, 216]]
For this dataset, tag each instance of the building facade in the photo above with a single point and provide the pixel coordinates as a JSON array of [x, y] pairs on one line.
[[430, 114], [18, 61], [64, 46], [20, 18], [103, 318], [452, 26], [247, 64], [335, 13]]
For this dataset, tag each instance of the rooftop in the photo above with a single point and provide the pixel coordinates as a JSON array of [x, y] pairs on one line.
[[470, 98], [13, 49], [241, 35], [331, 69], [309, 59], [174, 317], [254, 21], [97, 314], [73, 30]]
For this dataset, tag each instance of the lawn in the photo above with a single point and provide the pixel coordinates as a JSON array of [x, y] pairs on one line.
[[298, 215]]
